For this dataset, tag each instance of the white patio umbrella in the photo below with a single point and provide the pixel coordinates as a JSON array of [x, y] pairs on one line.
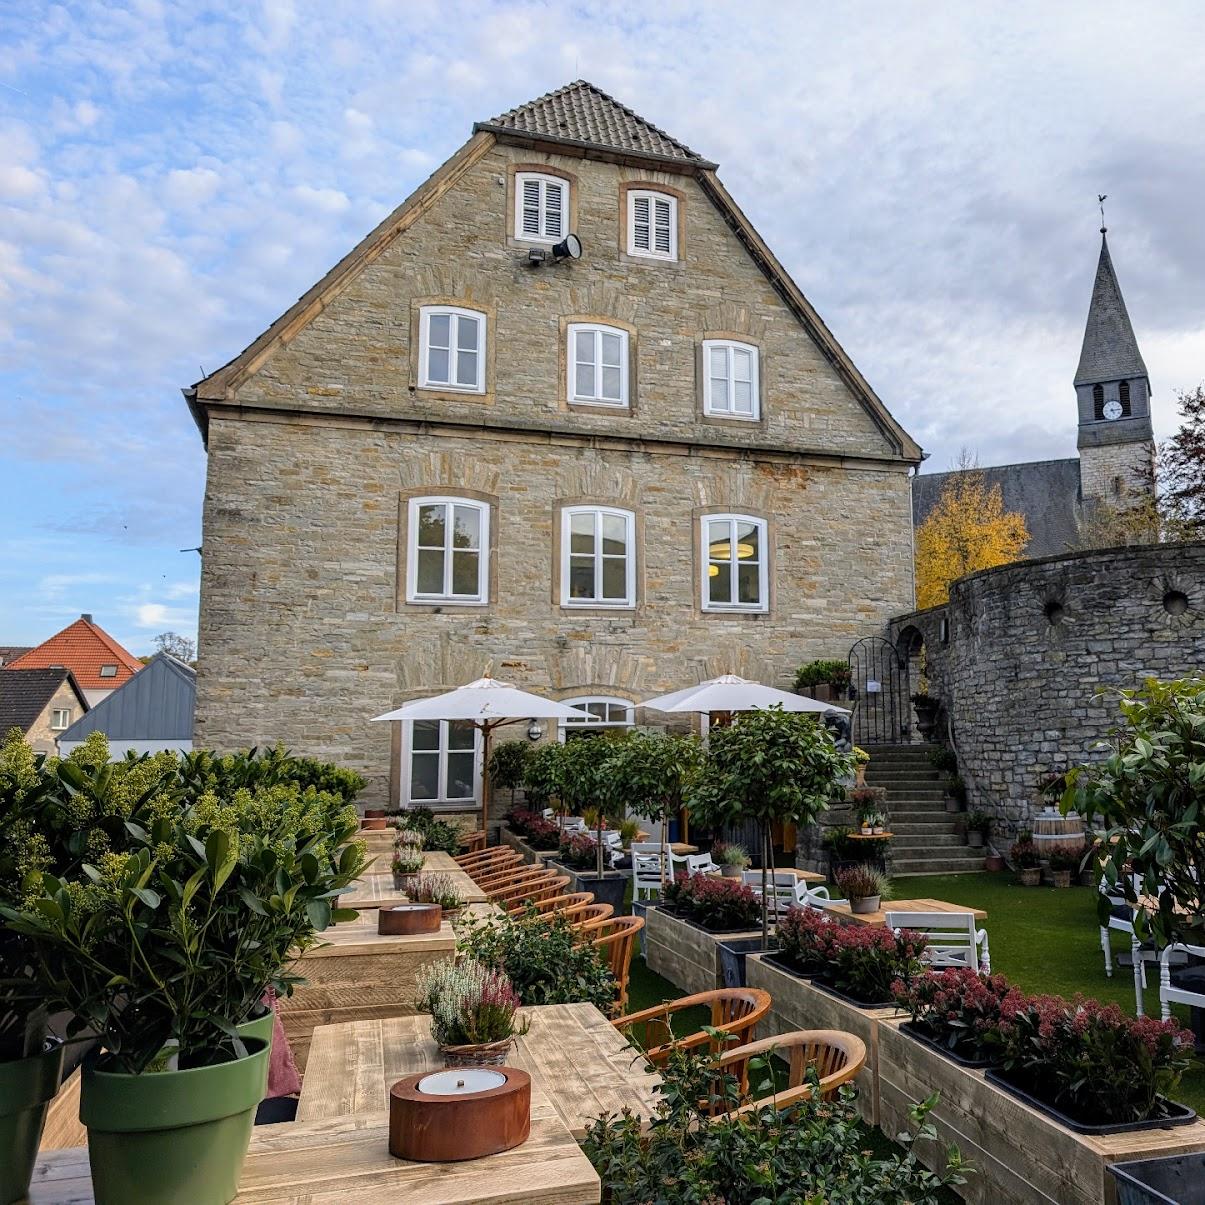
[[730, 693], [486, 704]]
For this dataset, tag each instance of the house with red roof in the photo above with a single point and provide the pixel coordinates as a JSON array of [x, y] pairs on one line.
[[97, 662]]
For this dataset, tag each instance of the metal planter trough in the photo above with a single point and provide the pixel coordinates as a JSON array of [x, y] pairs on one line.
[[1176, 1180]]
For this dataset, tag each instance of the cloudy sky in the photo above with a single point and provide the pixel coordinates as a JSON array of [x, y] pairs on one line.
[[172, 176]]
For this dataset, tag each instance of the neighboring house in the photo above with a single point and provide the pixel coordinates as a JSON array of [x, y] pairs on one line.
[[42, 703], [1116, 461], [99, 663], [604, 477], [151, 712], [10, 652]]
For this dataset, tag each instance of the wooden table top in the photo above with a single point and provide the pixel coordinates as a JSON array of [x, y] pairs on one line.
[[842, 912], [868, 836], [360, 936], [375, 888], [346, 1161], [579, 1058]]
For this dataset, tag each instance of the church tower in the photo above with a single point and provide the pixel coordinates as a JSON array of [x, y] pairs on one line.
[[1116, 443]]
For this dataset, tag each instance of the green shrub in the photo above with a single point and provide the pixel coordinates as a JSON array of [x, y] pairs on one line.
[[817, 673]]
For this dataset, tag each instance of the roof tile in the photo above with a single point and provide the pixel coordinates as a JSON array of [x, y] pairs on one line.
[[24, 694], [82, 647]]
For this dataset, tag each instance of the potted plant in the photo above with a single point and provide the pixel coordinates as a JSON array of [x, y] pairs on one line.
[[508, 765], [863, 886], [731, 858], [926, 707], [413, 837], [958, 1011], [434, 887], [472, 1012], [944, 760], [1027, 860], [861, 761], [1063, 861], [628, 832], [979, 825], [956, 794], [826, 680], [407, 862]]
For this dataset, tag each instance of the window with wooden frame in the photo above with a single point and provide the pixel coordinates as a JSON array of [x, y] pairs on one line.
[[652, 224], [541, 207], [598, 364], [598, 557], [730, 379], [734, 561], [447, 559], [451, 349]]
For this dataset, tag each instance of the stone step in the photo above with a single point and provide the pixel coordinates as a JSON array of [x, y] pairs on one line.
[[917, 811], [919, 828], [919, 842], [902, 869], [888, 776]]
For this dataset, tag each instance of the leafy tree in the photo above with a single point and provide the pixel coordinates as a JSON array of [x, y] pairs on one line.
[[967, 530], [1182, 470], [768, 765], [585, 770], [183, 648], [542, 775], [508, 764]]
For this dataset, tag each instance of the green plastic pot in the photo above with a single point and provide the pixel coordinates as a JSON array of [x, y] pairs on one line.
[[27, 1086], [259, 1027], [171, 1137]]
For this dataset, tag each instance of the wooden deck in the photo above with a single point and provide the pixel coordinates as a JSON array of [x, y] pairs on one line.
[[376, 890]]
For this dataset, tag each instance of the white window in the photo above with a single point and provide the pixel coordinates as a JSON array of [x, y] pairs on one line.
[[598, 560], [452, 349], [734, 563], [652, 224], [448, 558], [108, 671], [541, 207], [444, 762], [730, 379], [598, 365], [605, 713], [60, 718]]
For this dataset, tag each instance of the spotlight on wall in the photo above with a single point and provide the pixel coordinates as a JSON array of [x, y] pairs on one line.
[[536, 256], [534, 730], [570, 247]]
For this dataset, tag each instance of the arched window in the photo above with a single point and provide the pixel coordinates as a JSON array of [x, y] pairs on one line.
[[1123, 396], [1098, 402], [606, 714]]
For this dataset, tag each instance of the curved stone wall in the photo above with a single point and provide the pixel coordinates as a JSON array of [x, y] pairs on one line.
[[1024, 658]]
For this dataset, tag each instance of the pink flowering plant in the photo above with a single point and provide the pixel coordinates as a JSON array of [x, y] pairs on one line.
[[958, 1009], [470, 1004], [539, 833], [1090, 1060], [720, 905], [579, 851]]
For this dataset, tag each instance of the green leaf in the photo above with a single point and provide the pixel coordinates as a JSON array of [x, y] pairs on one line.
[[150, 898]]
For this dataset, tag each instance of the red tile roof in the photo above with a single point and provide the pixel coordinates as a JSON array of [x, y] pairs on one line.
[[82, 647]]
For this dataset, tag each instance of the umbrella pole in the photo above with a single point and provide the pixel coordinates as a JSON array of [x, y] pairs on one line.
[[486, 733]]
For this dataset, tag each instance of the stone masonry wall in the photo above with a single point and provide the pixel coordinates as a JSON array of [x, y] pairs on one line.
[[41, 736], [1035, 648]]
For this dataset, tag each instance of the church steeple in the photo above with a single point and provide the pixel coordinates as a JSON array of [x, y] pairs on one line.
[[1110, 350]]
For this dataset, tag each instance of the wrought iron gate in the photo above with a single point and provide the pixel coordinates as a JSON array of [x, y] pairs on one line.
[[879, 678]]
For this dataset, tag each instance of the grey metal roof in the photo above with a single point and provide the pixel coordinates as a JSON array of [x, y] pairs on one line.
[[156, 704], [1046, 492], [583, 115], [24, 694], [1110, 351]]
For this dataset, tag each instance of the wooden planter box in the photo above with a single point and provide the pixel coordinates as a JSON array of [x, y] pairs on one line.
[[1019, 1154], [799, 1004], [689, 957], [514, 841]]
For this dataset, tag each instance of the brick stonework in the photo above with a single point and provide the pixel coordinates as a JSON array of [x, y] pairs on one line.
[[1101, 469], [304, 632], [41, 736]]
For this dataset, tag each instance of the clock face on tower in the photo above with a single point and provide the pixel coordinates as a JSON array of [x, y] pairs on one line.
[[1112, 410]]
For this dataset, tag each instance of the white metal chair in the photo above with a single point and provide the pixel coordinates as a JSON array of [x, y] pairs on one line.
[[779, 883], [646, 875], [814, 897], [1170, 994], [701, 864], [953, 940], [1121, 920], [574, 824]]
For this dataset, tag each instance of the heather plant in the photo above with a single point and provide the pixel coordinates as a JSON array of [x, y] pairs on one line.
[[434, 887], [862, 882], [408, 836], [1065, 857], [720, 905], [469, 1004], [407, 859], [958, 1008]]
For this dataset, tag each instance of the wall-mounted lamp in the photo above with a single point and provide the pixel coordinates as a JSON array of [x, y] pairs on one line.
[[570, 247], [534, 730]]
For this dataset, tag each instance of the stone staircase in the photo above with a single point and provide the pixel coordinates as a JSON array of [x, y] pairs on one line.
[[925, 839]]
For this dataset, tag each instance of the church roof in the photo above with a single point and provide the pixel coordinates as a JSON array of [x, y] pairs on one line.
[[1110, 351], [580, 114], [1046, 492]]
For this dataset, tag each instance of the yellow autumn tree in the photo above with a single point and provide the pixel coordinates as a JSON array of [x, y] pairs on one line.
[[967, 530]]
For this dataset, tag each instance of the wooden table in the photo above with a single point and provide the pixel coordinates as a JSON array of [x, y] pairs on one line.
[[346, 1161], [572, 1050], [376, 890], [842, 912]]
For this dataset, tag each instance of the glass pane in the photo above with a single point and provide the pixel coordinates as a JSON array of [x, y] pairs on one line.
[[430, 577], [583, 344], [581, 533], [719, 362], [748, 541], [740, 365], [610, 349], [749, 583], [466, 567], [615, 535], [581, 577], [719, 583], [610, 384], [439, 331], [424, 775], [460, 776], [615, 569], [466, 529], [431, 526], [719, 393], [424, 734], [466, 368], [742, 396], [583, 381], [461, 735], [437, 365], [598, 710], [717, 541], [466, 333]]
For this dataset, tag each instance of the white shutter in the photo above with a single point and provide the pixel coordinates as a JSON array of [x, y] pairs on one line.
[[554, 195], [641, 239], [531, 207], [661, 214]]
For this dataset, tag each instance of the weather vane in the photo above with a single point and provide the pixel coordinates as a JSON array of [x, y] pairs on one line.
[[1101, 198]]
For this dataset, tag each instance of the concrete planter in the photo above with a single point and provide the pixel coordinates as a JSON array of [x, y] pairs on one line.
[[799, 1004], [515, 842], [689, 957], [1020, 1154]]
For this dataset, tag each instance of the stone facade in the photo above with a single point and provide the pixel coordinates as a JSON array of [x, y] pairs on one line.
[[41, 736], [317, 445], [1117, 474], [1024, 658]]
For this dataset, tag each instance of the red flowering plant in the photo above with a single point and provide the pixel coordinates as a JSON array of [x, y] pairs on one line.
[[1089, 1060], [719, 905], [534, 829], [578, 850], [803, 939], [958, 1009]]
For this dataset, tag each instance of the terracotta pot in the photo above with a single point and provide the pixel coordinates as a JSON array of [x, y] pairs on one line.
[[404, 920], [1030, 876], [373, 812], [484, 1054], [859, 775], [372, 823], [868, 903], [994, 863]]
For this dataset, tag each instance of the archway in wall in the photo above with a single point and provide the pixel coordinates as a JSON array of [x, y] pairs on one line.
[[911, 645], [879, 677]]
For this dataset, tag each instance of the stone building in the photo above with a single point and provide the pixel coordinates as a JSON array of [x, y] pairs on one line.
[[41, 704], [1116, 461], [604, 476]]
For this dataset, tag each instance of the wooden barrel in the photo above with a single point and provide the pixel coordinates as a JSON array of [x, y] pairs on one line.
[[1051, 827]]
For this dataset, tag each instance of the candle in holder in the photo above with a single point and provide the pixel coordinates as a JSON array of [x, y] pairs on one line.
[[447, 1116], [405, 920]]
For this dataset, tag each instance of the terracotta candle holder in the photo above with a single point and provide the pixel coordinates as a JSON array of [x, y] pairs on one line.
[[450, 1116], [372, 823], [404, 920]]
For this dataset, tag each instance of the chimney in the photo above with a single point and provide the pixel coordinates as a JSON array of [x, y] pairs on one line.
[[86, 617]]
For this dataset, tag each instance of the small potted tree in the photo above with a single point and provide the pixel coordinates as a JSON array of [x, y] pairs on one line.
[[586, 786], [979, 825], [1027, 860], [863, 886], [731, 858], [508, 766]]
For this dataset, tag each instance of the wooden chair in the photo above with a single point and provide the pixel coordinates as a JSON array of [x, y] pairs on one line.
[[836, 1055], [779, 883], [567, 904], [484, 870], [1170, 993], [646, 874], [516, 892], [587, 921], [544, 890], [500, 855], [508, 877], [734, 1010], [814, 897], [617, 942], [474, 842], [952, 939], [701, 864]]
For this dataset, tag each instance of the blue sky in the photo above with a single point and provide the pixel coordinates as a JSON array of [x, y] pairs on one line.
[[172, 176]]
